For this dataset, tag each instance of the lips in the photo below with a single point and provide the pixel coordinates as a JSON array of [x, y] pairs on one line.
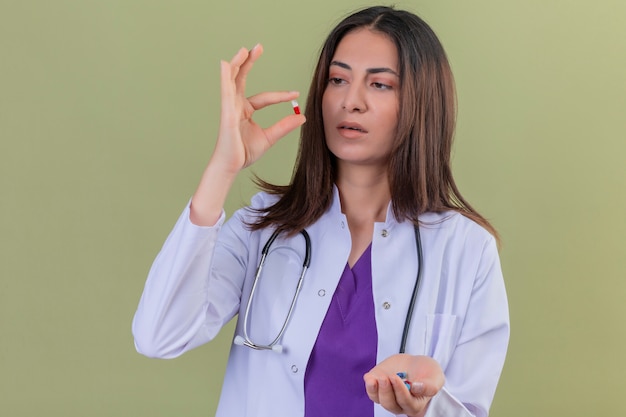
[[350, 126]]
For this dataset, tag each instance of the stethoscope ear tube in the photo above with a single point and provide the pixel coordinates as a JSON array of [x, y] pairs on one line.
[[307, 247]]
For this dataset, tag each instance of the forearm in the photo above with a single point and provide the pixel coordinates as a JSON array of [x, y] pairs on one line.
[[173, 305], [210, 197]]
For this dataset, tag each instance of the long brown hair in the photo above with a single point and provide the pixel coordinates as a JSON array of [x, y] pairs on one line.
[[420, 177]]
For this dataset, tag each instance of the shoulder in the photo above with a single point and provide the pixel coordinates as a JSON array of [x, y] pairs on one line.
[[236, 231], [453, 229], [263, 200], [461, 247], [243, 219], [258, 203]]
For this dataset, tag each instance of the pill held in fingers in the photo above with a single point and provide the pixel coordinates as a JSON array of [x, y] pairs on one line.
[[296, 108], [403, 377]]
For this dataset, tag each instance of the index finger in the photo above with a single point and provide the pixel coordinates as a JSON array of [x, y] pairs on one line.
[[261, 100], [387, 393]]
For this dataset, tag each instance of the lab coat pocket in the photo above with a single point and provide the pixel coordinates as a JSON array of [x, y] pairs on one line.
[[441, 336]]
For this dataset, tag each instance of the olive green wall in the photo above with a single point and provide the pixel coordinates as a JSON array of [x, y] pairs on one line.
[[108, 112]]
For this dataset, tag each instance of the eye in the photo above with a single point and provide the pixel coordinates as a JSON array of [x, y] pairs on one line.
[[336, 81], [381, 86]]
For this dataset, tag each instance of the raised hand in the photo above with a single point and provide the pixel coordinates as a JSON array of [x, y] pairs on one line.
[[241, 141]]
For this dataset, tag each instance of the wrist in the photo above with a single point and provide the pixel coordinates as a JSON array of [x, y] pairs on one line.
[[209, 199]]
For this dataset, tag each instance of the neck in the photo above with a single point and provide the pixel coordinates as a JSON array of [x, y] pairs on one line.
[[364, 194]]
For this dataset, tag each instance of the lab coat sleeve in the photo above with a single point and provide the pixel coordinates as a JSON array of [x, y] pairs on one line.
[[476, 364], [182, 305]]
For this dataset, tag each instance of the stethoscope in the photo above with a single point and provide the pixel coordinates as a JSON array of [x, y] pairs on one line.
[[274, 345]]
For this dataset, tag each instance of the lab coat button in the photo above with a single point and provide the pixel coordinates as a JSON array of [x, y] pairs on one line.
[[321, 292], [343, 225], [384, 233], [386, 305], [294, 369]]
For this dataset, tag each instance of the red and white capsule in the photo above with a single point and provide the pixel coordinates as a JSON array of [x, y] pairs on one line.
[[296, 108]]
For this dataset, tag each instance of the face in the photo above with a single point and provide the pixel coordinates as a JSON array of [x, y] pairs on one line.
[[360, 103]]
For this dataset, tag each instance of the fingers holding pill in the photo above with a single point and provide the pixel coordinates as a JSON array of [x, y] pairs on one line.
[[404, 384], [241, 141]]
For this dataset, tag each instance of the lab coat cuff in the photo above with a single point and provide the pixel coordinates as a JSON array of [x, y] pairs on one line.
[[191, 226], [445, 404]]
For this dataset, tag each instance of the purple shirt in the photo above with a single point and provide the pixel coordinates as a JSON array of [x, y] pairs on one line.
[[345, 348]]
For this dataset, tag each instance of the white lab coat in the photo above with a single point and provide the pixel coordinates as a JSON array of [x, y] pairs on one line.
[[203, 275]]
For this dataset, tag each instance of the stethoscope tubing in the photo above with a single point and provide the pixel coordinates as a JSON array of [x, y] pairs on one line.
[[418, 280], [273, 345]]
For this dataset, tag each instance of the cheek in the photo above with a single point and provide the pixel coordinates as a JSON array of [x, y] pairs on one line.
[[390, 125], [395, 112], [326, 109], [326, 102], [392, 118]]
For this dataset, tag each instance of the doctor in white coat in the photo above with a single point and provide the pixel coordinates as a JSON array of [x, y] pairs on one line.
[[373, 168]]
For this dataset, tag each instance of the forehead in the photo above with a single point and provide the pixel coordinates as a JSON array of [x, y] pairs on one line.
[[367, 48]]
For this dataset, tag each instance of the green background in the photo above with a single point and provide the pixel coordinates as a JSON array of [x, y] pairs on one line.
[[108, 114]]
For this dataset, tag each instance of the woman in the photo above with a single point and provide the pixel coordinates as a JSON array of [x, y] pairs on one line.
[[372, 185]]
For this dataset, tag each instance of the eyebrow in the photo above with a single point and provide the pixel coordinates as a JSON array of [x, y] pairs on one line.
[[377, 70]]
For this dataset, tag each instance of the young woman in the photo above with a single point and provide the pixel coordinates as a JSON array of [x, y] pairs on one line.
[[402, 277]]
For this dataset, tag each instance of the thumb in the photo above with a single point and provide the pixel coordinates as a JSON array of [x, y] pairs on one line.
[[284, 126]]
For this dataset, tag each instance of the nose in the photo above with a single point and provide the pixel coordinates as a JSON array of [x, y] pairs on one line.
[[354, 99]]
